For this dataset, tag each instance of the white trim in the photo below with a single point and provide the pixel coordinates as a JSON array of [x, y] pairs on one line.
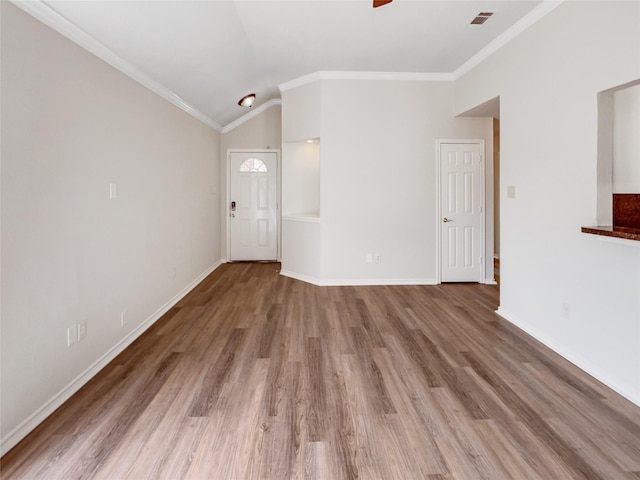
[[490, 281], [252, 113], [24, 428], [572, 357], [505, 37], [302, 278], [301, 218], [45, 14], [483, 217], [353, 282], [278, 195], [403, 76]]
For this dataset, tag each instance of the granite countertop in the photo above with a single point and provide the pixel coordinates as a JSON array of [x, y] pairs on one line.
[[617, 232]]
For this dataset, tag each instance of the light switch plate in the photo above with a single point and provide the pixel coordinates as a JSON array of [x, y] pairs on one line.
[[72, 335]]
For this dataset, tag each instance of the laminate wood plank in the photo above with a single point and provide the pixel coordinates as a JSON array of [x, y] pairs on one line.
[[539, 459], [616, 442], [344, 463], [375, 383], [463, 451], [317, 381], [605, 467], [368, 451], [204, 402], [561, 373], [274, 318], [413, 349], [99, 447], [176, 461], [283, 453], [578, 466], [421, 448], [253, 375], [156, 429], [504, 453], [361, 316], [450, 377], [277, 379]]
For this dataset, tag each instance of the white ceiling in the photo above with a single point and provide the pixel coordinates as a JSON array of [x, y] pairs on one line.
[[211, 53]]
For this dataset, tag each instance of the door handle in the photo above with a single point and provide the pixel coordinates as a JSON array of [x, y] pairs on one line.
[[445, 220]]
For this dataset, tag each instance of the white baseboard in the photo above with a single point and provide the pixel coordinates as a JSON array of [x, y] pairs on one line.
[[12, 438], [490, 281], [356, 282], [350, 282], [572, 357], [302, 278]]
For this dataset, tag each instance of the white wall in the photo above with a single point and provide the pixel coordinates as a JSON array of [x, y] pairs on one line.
[[378, 177], [71, 125], [548, 79], [301, 115], [301, 178], [260, 132], [626, 140]]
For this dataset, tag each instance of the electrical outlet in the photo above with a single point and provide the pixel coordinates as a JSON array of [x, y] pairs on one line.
[[378, 258], [82, 330], [124, 318], [72, 335]]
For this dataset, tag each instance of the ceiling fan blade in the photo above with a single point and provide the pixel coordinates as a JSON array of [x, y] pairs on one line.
[[379, 3]]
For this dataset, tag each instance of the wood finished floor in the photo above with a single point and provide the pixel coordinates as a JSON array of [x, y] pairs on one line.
[[258, 376]]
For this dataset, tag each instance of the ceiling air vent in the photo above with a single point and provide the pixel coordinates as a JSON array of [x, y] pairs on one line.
[[481, 18]]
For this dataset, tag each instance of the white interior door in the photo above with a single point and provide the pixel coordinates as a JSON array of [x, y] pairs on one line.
[[461, 205], [253, 206]]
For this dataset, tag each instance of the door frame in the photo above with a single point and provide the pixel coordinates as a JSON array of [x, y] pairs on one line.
[[225, 207], [483, 235]]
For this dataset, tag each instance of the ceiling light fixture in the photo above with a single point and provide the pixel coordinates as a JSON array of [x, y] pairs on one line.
[[247, 100]]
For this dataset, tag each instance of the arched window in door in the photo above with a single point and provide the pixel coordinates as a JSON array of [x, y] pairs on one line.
[[253, 165]]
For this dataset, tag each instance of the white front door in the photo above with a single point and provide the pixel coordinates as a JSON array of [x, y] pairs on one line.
[[253, 206], [461, 204]]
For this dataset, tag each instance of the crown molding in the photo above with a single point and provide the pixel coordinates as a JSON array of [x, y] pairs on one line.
[[516, 29], [402, 76], [253, 113], [45, 14]]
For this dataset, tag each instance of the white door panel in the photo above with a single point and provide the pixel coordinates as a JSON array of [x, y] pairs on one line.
[[253, 208], [461, 212]]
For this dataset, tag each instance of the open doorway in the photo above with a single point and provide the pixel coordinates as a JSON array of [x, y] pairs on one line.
[[496, 197], [491, 109]]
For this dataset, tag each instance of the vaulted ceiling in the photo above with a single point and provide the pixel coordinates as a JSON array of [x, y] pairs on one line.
[[209, 54]]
